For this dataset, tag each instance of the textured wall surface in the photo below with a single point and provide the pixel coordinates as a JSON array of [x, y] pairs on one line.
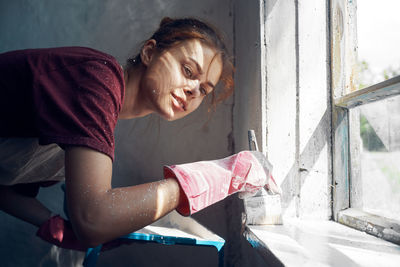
[[314, 112], [143, 145], [298, 105], [282, 92]]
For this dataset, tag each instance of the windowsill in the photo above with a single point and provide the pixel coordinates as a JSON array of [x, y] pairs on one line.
[[320, 243], [378, 226]]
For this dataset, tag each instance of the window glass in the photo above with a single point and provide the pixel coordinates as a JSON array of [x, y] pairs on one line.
[[378, 37], [380, 157]]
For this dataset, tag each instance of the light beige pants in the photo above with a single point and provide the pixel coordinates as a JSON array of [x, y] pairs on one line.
[[23, 160]]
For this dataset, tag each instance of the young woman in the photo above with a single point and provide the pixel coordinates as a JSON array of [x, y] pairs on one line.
[[59, 108]]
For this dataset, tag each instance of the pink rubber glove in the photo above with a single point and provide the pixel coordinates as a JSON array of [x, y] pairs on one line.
[[207, 182], [59, 232]]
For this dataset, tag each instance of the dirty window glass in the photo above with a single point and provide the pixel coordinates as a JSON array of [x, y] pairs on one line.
[[380, 157], [378, 37]]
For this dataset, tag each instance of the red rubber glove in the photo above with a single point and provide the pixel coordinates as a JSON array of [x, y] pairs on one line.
[[58, 231], [207, 182]]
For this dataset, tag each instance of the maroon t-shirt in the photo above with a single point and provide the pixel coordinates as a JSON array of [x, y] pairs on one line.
[[66, 95]]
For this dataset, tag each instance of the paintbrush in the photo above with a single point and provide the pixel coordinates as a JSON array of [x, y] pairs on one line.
[[265, 207]]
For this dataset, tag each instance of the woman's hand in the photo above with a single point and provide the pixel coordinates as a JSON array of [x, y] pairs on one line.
[[207, 182], [59, 232]]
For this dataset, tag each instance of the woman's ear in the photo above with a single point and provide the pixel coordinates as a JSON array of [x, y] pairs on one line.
[[147, 52]]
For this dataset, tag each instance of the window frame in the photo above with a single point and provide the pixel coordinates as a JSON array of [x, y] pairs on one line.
[[346, 170]]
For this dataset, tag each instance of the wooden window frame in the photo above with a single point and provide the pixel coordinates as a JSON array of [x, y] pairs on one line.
[[346, 170]]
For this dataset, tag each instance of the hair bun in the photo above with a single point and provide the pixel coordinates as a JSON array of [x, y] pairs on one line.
[[165, 21]]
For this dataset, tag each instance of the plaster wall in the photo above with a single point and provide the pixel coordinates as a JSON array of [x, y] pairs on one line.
[[249, 78], [144, 145], [247, 112], [314, 111], [286, 68], [281, 116], [298, 105]]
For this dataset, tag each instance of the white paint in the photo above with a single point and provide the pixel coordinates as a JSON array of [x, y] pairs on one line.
[[281, 93], [313, 68], [299, 152], [325, 243], [263, 209], [315, 195], [314, 114]]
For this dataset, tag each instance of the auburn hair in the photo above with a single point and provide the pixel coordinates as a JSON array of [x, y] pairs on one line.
[[173, 31]]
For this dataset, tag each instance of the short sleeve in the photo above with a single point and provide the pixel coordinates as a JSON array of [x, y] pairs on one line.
[[79, 104]]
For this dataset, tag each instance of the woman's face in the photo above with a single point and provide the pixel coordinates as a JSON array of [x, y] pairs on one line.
[[177, 79]]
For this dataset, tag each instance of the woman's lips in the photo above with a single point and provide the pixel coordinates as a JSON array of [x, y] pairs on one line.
[[178, 102]]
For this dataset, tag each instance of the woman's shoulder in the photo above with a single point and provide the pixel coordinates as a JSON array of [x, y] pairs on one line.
[[78, 52], [66, 55]]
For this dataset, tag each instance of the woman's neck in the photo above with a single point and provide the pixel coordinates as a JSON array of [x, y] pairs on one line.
[[134, 105]]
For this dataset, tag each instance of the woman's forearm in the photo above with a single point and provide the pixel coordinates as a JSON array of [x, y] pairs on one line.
[[120, 211], [100, 213], [25, 208]]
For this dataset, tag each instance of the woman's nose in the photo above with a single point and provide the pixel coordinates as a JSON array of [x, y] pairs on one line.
[[193, 90]]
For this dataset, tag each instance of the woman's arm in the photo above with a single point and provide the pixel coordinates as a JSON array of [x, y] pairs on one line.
[[23, 207], [100, 213]]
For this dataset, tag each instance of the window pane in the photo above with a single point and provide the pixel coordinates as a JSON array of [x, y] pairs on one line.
[[378, 37], [380, 157]]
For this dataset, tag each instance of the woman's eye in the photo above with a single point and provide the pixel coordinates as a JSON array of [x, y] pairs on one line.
[[188, 71], [203, 91]]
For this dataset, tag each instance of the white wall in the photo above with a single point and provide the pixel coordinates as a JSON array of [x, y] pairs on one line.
[[298, 105], [292, 48]]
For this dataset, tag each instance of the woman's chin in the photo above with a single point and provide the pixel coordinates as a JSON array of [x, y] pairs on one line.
[[171, 114], [168, 115]]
